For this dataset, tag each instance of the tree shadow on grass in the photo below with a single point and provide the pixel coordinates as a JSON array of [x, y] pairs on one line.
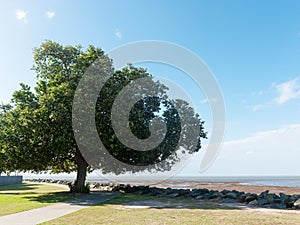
[[54, 197], [143, 201], [19, 193], [18, 187], [30, 192]]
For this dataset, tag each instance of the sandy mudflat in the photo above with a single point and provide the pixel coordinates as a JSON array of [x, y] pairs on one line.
[[230, 186]]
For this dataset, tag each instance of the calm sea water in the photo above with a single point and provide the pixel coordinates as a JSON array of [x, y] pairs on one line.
[[290, 181]]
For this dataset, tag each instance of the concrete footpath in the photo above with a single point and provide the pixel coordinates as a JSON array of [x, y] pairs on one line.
[[40, 215]]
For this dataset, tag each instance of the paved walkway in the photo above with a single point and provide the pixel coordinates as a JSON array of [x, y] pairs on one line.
[[40, 215]]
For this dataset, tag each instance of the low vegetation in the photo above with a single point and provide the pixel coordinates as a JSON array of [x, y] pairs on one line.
[[20, 197], [125, 209]]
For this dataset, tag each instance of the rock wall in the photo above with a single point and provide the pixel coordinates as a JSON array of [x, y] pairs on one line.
[[264, 199]]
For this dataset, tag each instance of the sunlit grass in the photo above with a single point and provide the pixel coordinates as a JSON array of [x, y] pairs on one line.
[[20, 197], [177, 211]]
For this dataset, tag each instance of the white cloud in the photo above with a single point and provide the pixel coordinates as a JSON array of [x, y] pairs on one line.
[[274, 152], [287, 91], [258, 107], [118, 34], [207, 100], [50, 14], [21, 15]]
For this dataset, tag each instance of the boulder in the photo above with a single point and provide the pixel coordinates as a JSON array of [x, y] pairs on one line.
[[194, 193], [254, 202], [138, 192], [250, 198], [283, 196], [97, 185], [297, 204], [230, 200], [199, 197], [173, 195], [184, 192], [291, 200], [225, 191], [264, 194], [232, 194], [169, 190], [242, 198], [276, 206], [213, 195], [218, 194], [262, 202], [273, 198], [203, 191]]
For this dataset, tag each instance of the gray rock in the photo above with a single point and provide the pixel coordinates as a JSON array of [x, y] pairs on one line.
[[283, 196], [183, 192], [272, 198], [297, 204], [213, 195], [203, 191], [225, 191], [232, 195], [161, 195], [139, 192], [173, 195], [262, 202], [250, 198], [276, 206], [254, 202], [294, 197], [169, 191], [97, 185], [194, 193], [230, 200], [242, 198], [200, 197], [264, 194], [218, 194]]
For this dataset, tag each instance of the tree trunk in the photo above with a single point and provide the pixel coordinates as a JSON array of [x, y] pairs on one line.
[[81, 170]]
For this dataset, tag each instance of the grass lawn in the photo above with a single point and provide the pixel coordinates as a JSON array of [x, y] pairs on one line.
[[177, 211], [20, 197]]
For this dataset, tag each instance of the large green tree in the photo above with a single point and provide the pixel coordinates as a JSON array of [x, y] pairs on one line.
[[36, 132]]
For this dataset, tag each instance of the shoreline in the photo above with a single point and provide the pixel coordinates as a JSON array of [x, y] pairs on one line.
[[246, 187], [239, 186], [276, 197]]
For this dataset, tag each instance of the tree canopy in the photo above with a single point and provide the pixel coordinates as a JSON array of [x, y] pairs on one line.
[[36, 132]]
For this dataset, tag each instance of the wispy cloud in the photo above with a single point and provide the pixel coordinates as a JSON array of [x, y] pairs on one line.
[[255, 155], [258, 107], [259, 93], [283, 92], [207, 100], [50, 14], [21, 15], [118, 34], [287, 91]]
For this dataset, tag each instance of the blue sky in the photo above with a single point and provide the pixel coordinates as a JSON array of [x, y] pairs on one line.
[[252, 47]]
